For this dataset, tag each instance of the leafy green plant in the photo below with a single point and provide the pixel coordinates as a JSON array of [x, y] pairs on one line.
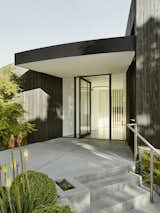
[[11, 111], [3, 200], [52, 209], [29, 191], [145, 168], [33, 189]]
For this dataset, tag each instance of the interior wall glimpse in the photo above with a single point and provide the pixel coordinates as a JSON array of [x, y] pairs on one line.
[[68, 107], [100, 109], [119, 106], [99, 106]]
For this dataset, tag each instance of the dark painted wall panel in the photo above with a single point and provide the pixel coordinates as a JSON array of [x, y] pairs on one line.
[[148, 69], [131, 100], [42, 98]]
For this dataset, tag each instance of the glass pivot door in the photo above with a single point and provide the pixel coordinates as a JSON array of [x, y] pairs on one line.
[[85, 107]]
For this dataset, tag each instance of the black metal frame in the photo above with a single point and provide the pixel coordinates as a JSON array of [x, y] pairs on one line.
[[110, 104], [75, 107], [110, 107], [89, 132]]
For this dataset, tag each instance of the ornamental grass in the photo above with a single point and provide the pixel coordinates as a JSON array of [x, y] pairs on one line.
[[26, 191]]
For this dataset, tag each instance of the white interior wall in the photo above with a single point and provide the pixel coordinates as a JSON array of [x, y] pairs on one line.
[[119, 106], [100, 109], [68, 106], [100, 106]]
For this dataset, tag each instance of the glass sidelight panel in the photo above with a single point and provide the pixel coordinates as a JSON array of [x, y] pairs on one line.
[[85, 107], [119, 106]]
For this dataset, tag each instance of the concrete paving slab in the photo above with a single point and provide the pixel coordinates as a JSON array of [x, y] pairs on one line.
[[64, 157]]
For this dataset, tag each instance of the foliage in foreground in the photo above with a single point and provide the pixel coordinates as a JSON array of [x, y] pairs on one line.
[[52, 209], [11, 111], [34, 189], [145, 168], [29, 191]]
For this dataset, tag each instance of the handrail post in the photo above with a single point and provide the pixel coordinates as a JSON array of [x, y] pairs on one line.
[[135, 143], [151, 175], [153, 151]]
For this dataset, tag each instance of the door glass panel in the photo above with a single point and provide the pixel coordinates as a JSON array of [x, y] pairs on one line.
[[100, 107], [85, 107], [119, 106], [94, 107]]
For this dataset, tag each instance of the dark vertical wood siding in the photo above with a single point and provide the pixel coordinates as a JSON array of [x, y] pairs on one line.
[[131, 100], [148, 69], [42, 97]]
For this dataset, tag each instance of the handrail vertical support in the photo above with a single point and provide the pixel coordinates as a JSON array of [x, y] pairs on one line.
[[135, 143], [153, 151], [151, 175]]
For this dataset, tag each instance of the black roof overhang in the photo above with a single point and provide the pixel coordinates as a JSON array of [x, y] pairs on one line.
[[118, 44]]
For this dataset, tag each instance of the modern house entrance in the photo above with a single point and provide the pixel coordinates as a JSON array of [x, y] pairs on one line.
[[101, 110], [79, 88]]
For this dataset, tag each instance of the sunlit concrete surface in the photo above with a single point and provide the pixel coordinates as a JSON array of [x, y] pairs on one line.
[[64, 157], [98, 169]]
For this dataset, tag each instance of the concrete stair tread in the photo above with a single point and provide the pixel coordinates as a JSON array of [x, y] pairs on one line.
[[97, 176], [154, 208], [111, 180], [120, 198]]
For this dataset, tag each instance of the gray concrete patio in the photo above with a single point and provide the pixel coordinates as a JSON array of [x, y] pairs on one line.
[[98, 170], [67, 157]]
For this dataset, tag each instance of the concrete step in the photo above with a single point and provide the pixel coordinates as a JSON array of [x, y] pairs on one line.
[[149, 208], [103, 192], [121, 200], [101, 175], [117, 191], [115, 182]]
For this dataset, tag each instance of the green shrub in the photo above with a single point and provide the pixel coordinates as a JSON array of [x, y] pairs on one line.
[[52, 209], [3, 200], [145, 168], [31, 190], [11, 111]]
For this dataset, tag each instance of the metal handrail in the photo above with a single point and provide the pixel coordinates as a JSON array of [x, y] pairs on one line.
[[153, 150]]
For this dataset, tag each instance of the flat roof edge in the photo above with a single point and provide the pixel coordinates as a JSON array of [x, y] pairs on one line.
[[131, 18], [118, 44]]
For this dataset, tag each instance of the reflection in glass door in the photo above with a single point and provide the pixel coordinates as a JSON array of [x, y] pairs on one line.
[[85, 107], [100, 104], [119, 106], [106, 96]]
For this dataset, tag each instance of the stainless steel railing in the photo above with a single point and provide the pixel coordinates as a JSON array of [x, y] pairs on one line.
[[153, 150]]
